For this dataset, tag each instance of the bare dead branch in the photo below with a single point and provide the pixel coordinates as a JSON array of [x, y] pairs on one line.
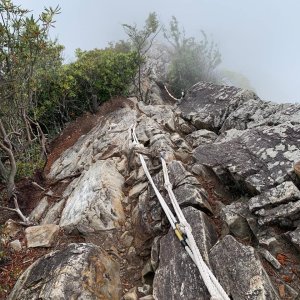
[[38, 186]]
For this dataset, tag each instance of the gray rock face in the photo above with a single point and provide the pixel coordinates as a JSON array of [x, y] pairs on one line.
[[162, 114], [81, 271], [279, 204], [240, 272], [201, 137], [217, 107], [95, 202], [256, 153], [283, 193], [177, 277], [256, 112], [255, 159], [207, 105], [108, 139], [235, 218], [284, 214], [190, 195], [294, 237]]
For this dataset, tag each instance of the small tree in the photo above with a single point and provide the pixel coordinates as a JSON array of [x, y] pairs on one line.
[[23, 41], [192, 60], [141, 42]]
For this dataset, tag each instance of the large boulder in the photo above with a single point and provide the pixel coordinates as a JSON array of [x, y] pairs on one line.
[[207, 105], [81, 271], [254, 159], [279, 205], [177, 277], [94, 204], [220, 108], [256, 112], [240, 271]]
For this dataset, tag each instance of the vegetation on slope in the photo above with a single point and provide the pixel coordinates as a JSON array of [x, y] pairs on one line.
[[40, 93]]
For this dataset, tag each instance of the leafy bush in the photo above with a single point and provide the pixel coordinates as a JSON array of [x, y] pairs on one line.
[[69, 90], [192, 61], [29, 162]]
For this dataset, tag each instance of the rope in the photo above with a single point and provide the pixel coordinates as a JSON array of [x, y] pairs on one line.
[[176, 99], [182, 229]]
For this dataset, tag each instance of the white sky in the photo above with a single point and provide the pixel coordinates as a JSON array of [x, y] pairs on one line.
[[258, 38]]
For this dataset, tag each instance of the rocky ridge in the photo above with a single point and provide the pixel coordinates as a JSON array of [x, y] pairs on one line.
[[232, 161]]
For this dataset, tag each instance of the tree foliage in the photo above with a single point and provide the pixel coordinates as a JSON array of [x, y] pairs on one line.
[[72, 89], [192, 60], [141, 41], [23, 42]]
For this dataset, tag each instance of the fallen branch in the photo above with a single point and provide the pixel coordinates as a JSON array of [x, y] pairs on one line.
[[25, 220], [52, 195], [38, 186]]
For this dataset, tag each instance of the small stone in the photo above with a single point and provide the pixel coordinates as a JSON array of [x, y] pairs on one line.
[[41, 236], [11, 228], [145, 289], [294, 237], [15, 245], [137, 189], [131, 295], [127, 225], [131, 254], [147, 272], [270, 258], [38, 212], [297, 168], [155, 253], [281, 290], [126, 239]]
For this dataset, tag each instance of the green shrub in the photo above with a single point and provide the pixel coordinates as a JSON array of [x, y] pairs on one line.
[[67, 91], [191, 60]]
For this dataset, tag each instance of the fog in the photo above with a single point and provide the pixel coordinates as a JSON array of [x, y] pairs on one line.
[[257, 38]]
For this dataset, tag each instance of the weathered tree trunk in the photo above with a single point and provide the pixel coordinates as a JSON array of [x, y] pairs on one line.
[[3, 171]]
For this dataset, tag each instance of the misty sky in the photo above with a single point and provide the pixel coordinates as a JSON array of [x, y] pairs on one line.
[[258, 38]]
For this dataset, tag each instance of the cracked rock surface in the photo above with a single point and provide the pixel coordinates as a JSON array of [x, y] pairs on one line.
[[81, 271], [232, 161]]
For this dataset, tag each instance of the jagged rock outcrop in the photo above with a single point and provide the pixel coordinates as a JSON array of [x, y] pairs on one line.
[[280, 204], [81, 271], [177, 277], [240, 272], [207, 106], [253, 159], [231, 160], [220, 108]]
